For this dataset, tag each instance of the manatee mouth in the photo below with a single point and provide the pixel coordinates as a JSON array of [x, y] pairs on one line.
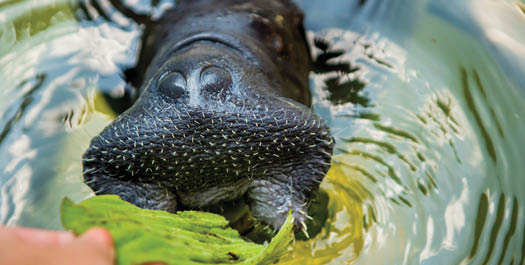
[[195, 149]]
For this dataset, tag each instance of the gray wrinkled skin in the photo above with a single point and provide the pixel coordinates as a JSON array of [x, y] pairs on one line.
[[218, 117]]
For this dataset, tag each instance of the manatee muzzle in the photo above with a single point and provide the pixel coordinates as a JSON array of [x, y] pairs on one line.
[[195, 149]]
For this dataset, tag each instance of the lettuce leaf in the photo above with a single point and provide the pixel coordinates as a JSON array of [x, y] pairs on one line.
[[187, 237]]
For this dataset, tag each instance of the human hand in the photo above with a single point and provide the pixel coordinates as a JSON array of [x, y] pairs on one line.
[[21, 246]]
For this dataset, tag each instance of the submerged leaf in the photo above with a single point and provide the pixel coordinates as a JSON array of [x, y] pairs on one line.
[[187, 237]]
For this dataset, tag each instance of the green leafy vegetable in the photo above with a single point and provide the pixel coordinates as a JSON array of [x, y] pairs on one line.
[[188, 237]]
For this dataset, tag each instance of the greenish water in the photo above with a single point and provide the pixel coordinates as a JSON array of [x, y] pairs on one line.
[[427, 107]]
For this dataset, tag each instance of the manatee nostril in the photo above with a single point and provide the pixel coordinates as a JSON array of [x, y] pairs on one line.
[[173, 85], [215, 80]]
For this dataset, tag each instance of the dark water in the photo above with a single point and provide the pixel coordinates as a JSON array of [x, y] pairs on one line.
[[426, 100]]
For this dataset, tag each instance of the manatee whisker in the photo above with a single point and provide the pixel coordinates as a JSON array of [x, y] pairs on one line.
[[308, 217], [90, 181], [305, 230]]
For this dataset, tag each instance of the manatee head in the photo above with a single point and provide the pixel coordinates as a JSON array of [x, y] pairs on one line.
[[214, 122]]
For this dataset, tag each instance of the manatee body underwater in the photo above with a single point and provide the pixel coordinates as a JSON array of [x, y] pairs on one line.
[[222, 114]]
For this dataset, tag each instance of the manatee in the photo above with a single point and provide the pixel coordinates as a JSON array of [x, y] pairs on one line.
[[222, 114]]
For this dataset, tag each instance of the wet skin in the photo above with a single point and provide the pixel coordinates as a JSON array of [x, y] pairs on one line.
[[222, 115]]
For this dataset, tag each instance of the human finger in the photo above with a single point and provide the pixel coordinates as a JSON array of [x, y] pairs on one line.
[[95, 246], [39, 236]]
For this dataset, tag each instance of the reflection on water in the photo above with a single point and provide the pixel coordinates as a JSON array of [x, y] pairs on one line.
[[342, 88], [425, 100]]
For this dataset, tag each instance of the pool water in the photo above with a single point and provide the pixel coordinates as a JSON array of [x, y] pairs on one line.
[[425, 99]]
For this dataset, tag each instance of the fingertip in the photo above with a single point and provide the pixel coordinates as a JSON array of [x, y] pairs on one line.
[[98, 235], [94, 246], [101, 239]]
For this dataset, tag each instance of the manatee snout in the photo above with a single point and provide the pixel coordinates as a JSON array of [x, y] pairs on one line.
[[162, 155], [218, 119]]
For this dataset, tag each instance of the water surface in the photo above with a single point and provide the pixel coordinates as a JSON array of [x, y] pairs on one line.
[[426, 101]]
